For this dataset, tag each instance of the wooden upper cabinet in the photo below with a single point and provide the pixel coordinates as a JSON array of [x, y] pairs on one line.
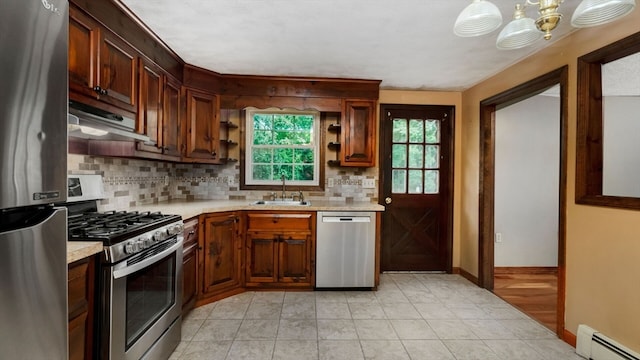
[[84, 35], [358, 133], [171, 140], [150, 107], [203, 127], [159, 111], [101, 65], [117, 76]]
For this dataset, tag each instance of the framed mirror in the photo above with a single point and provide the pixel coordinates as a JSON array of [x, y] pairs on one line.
[[608, 121]]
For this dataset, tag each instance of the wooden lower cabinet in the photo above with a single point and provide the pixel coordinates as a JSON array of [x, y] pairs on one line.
[[221, 253], [190, 265], [280, 250], [80, 307]]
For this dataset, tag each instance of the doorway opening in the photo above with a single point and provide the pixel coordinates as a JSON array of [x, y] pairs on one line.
[[552, 227]]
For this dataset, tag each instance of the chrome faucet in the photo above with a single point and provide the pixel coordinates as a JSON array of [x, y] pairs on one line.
[[284, 189]]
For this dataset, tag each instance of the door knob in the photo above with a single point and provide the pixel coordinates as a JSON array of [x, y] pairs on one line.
[[388, 201]]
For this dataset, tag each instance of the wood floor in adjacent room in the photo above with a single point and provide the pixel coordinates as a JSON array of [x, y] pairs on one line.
[[534, 293]]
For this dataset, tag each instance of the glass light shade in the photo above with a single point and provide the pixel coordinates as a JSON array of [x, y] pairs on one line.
[[598, 12], [518, 34], [478, 18]]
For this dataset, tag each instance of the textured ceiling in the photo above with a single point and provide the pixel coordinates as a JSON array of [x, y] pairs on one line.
[[408, 44]]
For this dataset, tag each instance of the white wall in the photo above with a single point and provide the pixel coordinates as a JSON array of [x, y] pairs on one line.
[[526, 187], [621, 144]]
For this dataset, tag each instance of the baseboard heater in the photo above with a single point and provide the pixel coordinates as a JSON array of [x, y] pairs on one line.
[[594, 346]]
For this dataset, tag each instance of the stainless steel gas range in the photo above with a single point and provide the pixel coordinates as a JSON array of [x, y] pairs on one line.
[[139, 282]]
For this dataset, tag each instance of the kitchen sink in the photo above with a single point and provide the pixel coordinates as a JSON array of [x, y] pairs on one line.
[[281, 202]]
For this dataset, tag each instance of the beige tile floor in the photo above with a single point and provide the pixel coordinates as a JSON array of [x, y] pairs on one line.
[[411, 316]]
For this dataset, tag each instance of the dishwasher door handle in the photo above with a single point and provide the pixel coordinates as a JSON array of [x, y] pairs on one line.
[[346, 219]]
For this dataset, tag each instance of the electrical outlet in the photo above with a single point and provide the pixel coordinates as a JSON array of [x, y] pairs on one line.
[[166, 180], [230, 180], [329, 182], [498, 237], [369, 183]]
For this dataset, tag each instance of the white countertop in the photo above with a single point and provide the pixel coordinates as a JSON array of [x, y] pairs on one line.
[[188, 209]]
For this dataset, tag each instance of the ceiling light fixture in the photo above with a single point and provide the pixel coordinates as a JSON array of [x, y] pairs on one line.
[[482, 17], [520, 32]]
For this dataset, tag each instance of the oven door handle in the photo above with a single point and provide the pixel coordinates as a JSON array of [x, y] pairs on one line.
[[122, 269]]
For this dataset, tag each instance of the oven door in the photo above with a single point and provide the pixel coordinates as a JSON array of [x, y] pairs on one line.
[[146, 303]]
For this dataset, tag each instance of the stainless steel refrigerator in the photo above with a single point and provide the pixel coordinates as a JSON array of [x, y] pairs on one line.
[[33, 166]]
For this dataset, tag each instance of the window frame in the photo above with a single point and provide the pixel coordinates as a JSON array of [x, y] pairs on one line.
[[589, 146], [246, 162]]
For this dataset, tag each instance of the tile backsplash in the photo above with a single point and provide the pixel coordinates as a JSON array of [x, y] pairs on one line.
[[130, 182]]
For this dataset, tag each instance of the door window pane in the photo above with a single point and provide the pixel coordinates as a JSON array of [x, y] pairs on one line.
[[415, 181], [416, 131], [399, 130], [415, 156], [431, 183], [399, 181], [431, 156], [432, 131], [398, 156]]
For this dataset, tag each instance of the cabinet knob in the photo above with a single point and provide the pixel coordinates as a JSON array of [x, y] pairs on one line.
[[100, 90], [214, 154], [347, 157]]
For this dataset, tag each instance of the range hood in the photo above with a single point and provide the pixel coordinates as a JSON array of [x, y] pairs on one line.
[[88, 122]]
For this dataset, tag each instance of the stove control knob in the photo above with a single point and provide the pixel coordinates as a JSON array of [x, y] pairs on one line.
[[128, 248], [133, 247], [176, 229], [146, 242], [158, 236]]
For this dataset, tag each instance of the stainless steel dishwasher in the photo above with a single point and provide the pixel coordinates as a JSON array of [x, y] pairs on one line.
[[345, 249]]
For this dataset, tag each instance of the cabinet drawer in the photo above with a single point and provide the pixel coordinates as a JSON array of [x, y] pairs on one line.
[[285, 221], [190, 232]]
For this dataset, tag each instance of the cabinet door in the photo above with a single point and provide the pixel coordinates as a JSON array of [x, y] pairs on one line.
[[190, 278], [80, 290], [294, 258], [171, 118], [117, 77], [83, 39], [262, 254], [203, 126], [221, 253], [150, 107], [358, 133], [190, 265]]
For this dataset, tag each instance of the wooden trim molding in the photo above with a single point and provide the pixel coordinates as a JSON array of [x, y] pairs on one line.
[[465, 274], [486, 215], [538, 270], [590, 125], [569, 338], [240, 91]]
